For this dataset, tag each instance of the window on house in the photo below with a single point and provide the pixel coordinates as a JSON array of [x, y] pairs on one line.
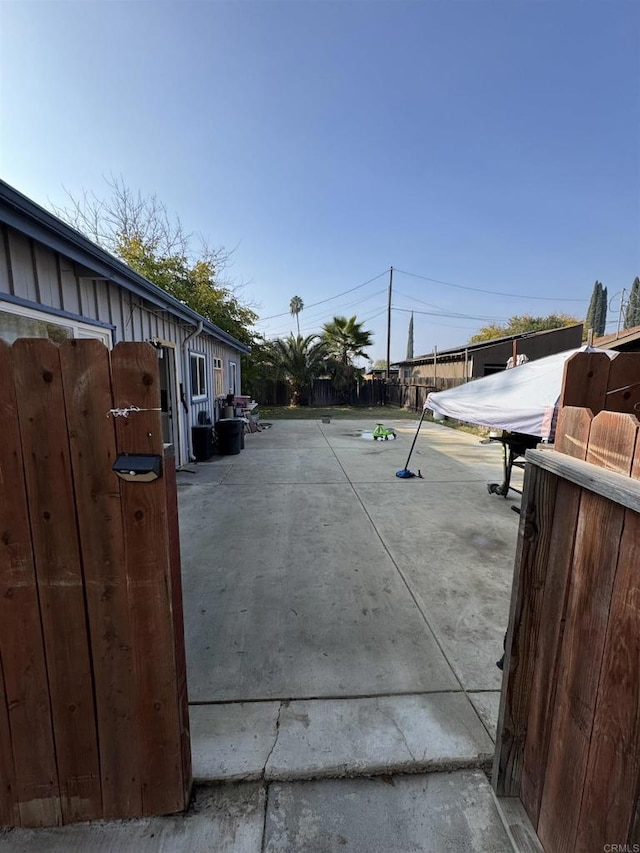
[[18, 322], [218, 377], [233, 377], [198, 376]]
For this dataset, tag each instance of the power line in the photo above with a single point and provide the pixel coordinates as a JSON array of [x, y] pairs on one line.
[[378, 311], [492, 292], [328, 299], [317, 318], [421, 301], [454, 314]]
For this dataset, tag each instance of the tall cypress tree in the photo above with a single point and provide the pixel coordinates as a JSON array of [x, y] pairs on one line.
[[596, 318], [410, 338], [600, 322], [591, 310], [632, 314]]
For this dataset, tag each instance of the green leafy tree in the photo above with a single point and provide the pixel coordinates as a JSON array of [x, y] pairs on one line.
[[596, 318], [299, 361], [523, 323], [295, 307], [410, 338], [193, 283], [632, 314]]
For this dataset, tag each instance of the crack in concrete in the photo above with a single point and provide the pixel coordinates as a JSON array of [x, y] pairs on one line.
[[390, 716], [266, 812], [275, 741]]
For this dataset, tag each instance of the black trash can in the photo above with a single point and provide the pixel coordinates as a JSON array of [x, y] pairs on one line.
[[202, 441], [229, 431]]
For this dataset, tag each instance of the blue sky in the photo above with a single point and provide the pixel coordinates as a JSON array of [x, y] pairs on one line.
[[493, 145]]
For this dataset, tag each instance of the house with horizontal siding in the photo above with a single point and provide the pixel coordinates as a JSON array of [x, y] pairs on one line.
[[56, 283]]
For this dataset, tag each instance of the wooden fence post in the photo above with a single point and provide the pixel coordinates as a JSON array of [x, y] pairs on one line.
[[572, 437], [597, 541], [538, 503], [29, 795], [52, 517], [135, 383], [86, 380], [613, 771]]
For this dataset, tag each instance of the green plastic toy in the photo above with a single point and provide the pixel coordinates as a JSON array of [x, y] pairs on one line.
[[383, 433]]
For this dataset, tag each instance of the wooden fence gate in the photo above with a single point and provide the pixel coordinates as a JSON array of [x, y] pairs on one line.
[[93, 695], [568, 744]]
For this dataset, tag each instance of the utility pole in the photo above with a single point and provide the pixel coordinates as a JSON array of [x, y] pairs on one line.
[[389, 324], [622, 309]]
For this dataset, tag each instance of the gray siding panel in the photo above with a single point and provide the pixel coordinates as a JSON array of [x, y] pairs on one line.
[[47, 272], [87, 297], [24, 280], [115, 310], [130, 320], [70, 294], [102, 301], [6, 284]]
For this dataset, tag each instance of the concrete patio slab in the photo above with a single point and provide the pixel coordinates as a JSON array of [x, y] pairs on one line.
[[360, 467], [199, 474], [364, 737], [289, 593], [438, 813], [287, 435], [232, 742], [286, 466], [224, 819], [487, 705], [455, 545]]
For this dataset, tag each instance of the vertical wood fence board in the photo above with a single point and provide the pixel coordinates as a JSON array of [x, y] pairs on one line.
[[572, 431], [612, 441], [623, 394], [598, 534], [28, 718], [59, 575], [572, 438], [9, 810], [634, 834], [88, 398], [586, 380], [597, 541], [178, 618], [539, 498], [135, 383], [613, 768]]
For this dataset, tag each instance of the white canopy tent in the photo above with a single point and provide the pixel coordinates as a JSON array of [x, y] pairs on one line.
[[522, 399]]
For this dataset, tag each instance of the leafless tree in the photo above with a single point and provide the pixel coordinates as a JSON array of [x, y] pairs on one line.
[[125, 215]]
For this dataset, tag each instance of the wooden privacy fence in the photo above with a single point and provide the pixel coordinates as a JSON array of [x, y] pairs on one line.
[[569, 728], [93, 699]]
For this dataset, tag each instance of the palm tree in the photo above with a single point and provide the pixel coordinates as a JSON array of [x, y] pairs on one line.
[[295, 307], [299, 360], [346, 339]]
